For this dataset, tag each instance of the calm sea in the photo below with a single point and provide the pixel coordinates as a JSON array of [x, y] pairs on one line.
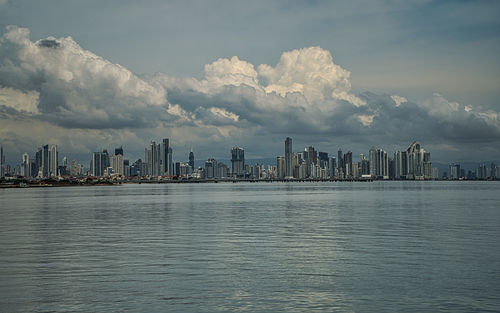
[[252, 247]]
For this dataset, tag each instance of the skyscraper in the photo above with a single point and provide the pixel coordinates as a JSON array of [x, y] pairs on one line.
[[211, 168], [348, 164], [379, 164], [44, 168], [98, 163], [280, 166], [416, 157], [170, 163], [340, 164], [2, 162], [117, 164], [288, 158], [53, 161], [164, 157], [25, 165], [153, 159], [238, 162], [191, 160]]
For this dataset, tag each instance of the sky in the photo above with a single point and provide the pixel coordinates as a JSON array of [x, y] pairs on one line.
[[209, 75]]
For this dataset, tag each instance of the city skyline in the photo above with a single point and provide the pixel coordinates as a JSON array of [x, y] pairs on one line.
[[412, 163], [66, 85]]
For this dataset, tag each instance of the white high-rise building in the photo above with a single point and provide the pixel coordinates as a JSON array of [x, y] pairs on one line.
[[53, 161], [379, 163], [117, 164], [25, 165], [419, 162]]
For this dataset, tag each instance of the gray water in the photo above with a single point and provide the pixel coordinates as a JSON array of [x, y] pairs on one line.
[[252, 247]]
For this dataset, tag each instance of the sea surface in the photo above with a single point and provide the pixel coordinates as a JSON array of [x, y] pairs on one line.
[[252, 247]]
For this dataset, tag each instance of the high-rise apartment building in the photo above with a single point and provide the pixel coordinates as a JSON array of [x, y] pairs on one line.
[[379, 164], [280, 166], [152, 155], [25, 165], [45, 167], [165, 157], [99, 163], [191, 160], [53, 161], [238, 162], [2, 162], [117, 164], [288, 158], [348, 171], [419, 163], [211, 168]]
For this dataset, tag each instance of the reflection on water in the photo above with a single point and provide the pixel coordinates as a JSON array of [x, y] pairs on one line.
[[266, 247]]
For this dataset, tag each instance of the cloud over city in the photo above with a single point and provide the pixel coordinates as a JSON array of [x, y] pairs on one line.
[[73, 97]]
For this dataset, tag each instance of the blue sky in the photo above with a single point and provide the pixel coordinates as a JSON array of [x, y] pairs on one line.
[[429, 52]]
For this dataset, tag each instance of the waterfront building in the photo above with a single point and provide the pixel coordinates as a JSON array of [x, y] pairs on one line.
[[53, 161], [332, 165], [117, 164], [482, 171], [238, 162], [348, 171], [281, 165], [25, 165], [419, 164], [400, 165], [340, 164], [222, 170], [170, 162], [379, 164], [211, 168], [99, 163], [2, 162], [152, 154], [454, 171], [288, 158], [355, 170], [363, 165], [191, 159], [165, 157]]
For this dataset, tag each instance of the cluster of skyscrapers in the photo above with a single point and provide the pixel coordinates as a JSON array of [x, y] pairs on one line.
[[414, 163]]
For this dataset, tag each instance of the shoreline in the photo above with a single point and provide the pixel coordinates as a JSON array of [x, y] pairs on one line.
[[24, 184]]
